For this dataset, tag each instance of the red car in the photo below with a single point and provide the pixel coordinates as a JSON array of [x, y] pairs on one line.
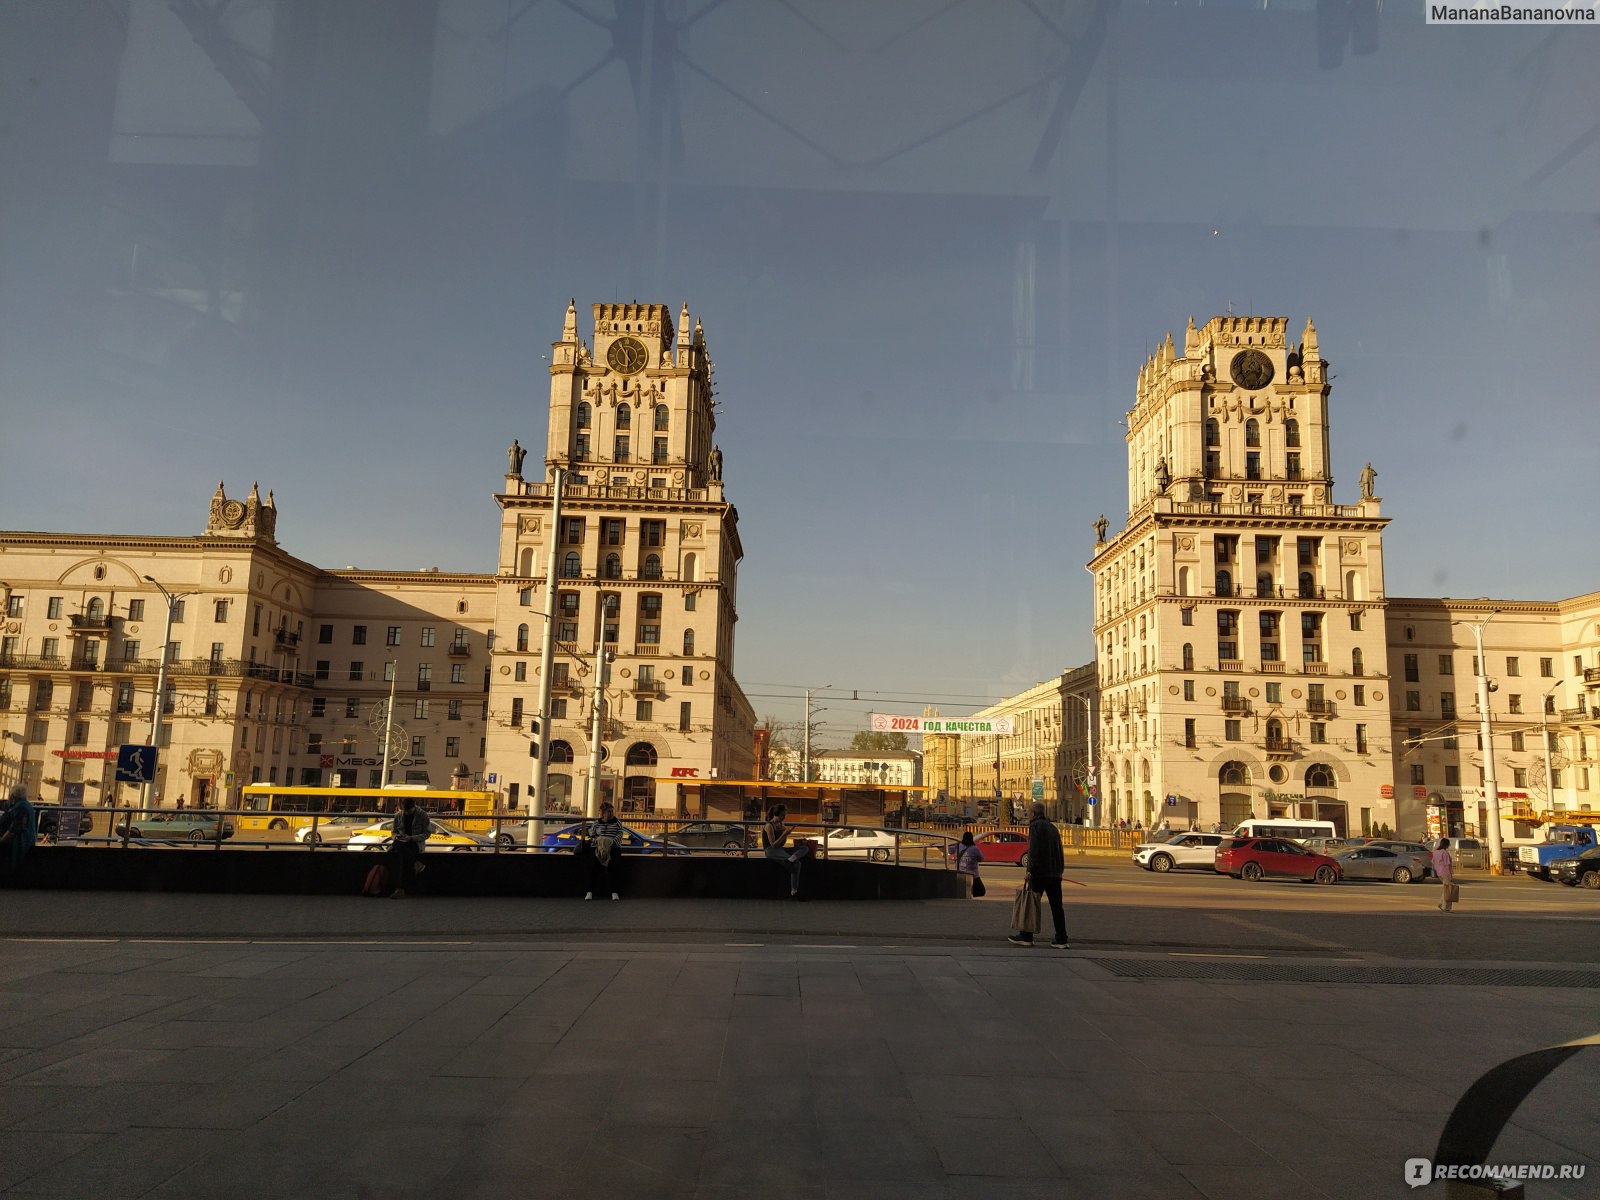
[[1255, 858], [1001, 846]]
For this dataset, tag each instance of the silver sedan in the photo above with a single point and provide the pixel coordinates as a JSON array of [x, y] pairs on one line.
[[1378, 862]]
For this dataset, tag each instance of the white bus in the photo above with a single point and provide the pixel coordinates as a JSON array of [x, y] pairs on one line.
[[1286, 827]]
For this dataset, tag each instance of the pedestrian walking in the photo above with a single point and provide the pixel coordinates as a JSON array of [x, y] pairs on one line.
[[408, 834], [1165, 828], [968, 856], [774, 836], [605, 848], [1046, 864], [1445, 869]]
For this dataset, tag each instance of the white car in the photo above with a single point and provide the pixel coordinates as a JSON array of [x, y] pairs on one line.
[[859, 843], [444, 836], [1194, 850], [332, 831]]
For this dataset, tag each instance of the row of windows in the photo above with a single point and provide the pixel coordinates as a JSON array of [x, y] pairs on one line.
[[621, 449], [584, 416], [1252, 432], [358, 673], [393, 636], [612, 531], [1447, 703], [1547, 666]]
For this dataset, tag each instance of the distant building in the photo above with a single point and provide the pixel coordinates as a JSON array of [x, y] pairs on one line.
[[885, 768], [278, 670]]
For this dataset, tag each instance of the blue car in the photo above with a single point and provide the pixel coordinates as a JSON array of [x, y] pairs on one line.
[[633, 842]]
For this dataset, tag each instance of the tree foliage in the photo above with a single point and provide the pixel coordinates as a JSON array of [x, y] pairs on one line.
[[867, 742]]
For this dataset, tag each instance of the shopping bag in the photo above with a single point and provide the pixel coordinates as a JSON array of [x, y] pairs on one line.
[[1452, 893], [1025, 910], [978, 889]]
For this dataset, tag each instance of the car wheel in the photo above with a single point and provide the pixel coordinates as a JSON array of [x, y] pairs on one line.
[[879, 854], [1591, 880], [1161, 863], [133, 833], [313, 838], [1402, 874], [197, 835], [506, 841], [1023, 862], [734, 848], [1252, 873], [1326, 874], [277, 823]]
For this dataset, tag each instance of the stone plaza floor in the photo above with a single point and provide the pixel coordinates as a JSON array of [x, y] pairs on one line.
[[254, 1046]]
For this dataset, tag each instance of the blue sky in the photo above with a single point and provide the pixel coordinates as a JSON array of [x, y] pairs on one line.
[[925, 295]]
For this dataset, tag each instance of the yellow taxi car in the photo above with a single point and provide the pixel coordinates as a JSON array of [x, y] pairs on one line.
[[444, 836]]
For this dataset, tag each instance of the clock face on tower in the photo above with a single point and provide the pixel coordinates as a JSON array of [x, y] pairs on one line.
[[1251, 369], [626, 355]]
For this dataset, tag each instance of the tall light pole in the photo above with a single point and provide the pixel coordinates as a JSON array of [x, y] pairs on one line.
[[161, 677], [547, 647], [1491, 785], [388, 723], [591, 807], [1091, 777]]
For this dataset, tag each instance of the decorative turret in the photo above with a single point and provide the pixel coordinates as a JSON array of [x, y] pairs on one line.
[[1191, 340], [247, 518]]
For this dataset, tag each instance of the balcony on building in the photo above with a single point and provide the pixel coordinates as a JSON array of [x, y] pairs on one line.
[[1272, 667], [649, 687], [90, 622], [1230, 664], [285, 639], [1235, 705], [460, 650], [1570, 715], [1591, 674], [1320, 708], [1280, 747]]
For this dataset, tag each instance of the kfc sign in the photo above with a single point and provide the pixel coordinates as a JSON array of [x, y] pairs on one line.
[[686, 772]]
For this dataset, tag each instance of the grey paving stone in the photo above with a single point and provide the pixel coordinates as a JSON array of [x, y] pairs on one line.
[[991, 1146]]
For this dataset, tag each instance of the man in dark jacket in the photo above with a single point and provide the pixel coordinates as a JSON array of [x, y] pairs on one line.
[[1046, 864]]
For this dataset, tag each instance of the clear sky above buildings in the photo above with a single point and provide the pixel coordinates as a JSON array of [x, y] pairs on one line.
[[327, 247]]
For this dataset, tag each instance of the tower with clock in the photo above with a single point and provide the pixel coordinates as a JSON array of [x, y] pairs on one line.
[[646, 551], [1239, 613]]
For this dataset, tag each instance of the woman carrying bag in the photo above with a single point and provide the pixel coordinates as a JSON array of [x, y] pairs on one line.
[[968, 856]]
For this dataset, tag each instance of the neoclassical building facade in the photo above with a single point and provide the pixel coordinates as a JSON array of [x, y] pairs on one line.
[[279, 670], [1239, 612]]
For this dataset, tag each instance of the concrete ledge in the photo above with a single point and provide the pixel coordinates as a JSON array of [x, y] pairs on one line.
[[341, 872]]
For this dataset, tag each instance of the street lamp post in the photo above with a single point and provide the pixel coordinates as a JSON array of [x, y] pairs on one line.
[[161, 678], [541, 766], [1091, 780], [805, 752], [1491, 785]]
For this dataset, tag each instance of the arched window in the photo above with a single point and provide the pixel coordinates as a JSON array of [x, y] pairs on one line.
[[584, 415], [1183, 581], [1213, 432], [1188, 656], [662, 417], [624, 417], [688, 643], [1252, 432], [97, 609], [652, 566], [1355, 587], [641, 754], [1234, 774], [522, 637], [1224, 583], [571, 565], [1308, 586], [691, 568], [1291, 432], [1319, 775], [1357, 663], [526, 568], [613, 566], [1274, 734], [560, 752]]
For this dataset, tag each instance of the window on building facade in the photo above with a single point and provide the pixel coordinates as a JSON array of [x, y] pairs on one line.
[[325, 635], [427, 635], [1413, 701], [352, 706], [1412, 674], [1514, 703], [584, 415], [644, 710], [1519, 777], [1513, 666], [516, 713], [453, 711], [519, 672], [358, 635], [358, 672], [684, 709], [1517, 741], [220, 612], [53, 608], [1230, 730], [1419, 775], [1447, 705], [1547, 668]]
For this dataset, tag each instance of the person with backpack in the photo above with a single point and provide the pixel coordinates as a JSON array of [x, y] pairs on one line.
[[408, 835], [19, 829], [605, 848]]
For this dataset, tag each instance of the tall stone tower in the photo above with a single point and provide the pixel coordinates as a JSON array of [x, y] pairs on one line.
[[647, 553], [1239, 623]]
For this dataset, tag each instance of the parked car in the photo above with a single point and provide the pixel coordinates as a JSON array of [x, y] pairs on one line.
[[633, 842], [193, 825], [1256, 858], [1417, 849], [1194, 851], [1334, 846], [1469, 852], [48, 817], [331, 831], [1582, 871], [1380, 862], [1560, 841], [1001, 846], [872, 844], [717, 835], [444, 836]]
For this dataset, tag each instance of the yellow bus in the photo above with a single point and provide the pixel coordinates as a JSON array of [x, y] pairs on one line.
[[283, 806]]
